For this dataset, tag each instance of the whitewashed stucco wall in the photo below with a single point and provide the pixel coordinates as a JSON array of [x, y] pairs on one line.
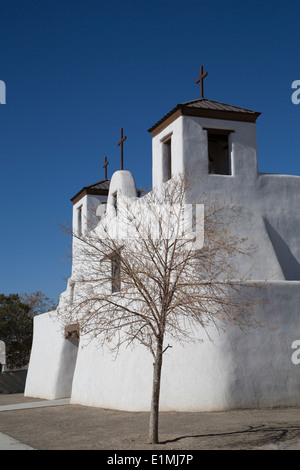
[[52, 360], [190, 151], [234, 370], [231, 370]]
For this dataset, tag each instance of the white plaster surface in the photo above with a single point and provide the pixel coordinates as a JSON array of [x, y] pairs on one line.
[[52, 360], [122, 183]]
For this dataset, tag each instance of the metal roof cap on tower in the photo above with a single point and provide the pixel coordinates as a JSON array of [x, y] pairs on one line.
[[205, 108]]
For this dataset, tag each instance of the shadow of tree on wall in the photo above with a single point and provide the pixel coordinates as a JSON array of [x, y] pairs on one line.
[[288, 263]]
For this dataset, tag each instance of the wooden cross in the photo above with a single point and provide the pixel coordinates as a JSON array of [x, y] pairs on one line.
[[105, 166], [200, 79], [121, 143]]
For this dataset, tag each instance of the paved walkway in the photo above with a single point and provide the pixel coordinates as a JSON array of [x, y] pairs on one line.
[[9, 443], [35, 404], [28, 424]]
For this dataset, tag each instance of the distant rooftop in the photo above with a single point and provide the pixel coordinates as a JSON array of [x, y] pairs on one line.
[[100, 188], [205, 108], [103, 184]]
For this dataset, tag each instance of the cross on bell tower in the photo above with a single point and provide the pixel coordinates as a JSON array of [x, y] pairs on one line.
[[105, 166], [120, 143], [200, 79]]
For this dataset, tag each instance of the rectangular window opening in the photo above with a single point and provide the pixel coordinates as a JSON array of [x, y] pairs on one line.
[[218, 152], [115, 196], [115, 273], [167, 158], [72, 293], [79, 221]]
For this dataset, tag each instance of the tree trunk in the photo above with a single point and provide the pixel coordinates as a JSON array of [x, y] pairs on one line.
[[153, 423]]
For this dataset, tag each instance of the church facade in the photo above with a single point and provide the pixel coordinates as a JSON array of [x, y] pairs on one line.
[[233, 369]]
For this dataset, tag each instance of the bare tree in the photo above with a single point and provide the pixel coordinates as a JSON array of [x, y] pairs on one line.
[[153, 276], [38, 302]]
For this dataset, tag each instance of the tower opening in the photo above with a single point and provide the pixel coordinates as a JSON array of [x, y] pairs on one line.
[[218, 152], [167, 158]]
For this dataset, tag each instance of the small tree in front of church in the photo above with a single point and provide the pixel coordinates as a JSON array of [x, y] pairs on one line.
[[161, 281]]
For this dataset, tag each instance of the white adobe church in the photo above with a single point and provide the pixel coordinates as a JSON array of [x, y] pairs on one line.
[[233, 370]]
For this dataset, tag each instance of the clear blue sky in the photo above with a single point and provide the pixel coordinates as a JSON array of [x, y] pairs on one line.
[[76, 71]]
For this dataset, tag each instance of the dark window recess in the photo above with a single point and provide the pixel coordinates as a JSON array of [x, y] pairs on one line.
[[79, 221], [72, 333], [115, 274], [167, 159], [115, 202], [218, 154]]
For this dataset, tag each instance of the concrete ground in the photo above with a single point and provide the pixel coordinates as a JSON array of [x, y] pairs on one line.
[[29, 423]]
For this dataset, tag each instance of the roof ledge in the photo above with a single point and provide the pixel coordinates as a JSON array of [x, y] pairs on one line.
[[205, 108]]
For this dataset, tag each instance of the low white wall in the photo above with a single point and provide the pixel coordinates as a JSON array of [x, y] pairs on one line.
[[122, 383], [52, 360], [233, 370]]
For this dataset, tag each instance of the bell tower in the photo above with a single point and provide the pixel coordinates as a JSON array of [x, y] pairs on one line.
[[208, 137]]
